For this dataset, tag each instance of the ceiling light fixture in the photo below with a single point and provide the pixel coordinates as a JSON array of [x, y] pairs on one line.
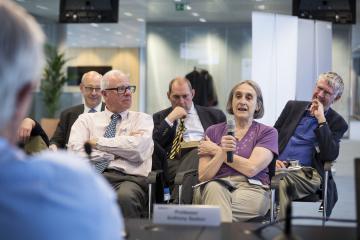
[[195, 14], [140, 20], [261, 7], [188, 7], [202, 19], [129, 14], [94, 24]]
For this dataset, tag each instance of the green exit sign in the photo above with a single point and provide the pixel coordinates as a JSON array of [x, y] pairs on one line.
[[179, 6]]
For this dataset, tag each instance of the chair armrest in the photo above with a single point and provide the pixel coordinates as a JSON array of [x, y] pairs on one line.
[[327, 166], [179, 178], [154, 175], [275, 180]]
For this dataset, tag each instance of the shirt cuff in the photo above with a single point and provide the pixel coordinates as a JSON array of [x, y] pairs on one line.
[[168, 122], [322, 124]]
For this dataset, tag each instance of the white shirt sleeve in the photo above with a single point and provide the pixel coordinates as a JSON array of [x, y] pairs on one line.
[[135, 145]]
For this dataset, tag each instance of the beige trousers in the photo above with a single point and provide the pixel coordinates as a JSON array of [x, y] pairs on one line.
[[243, 202]]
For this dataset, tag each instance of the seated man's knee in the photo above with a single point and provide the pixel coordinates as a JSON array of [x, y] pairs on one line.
[[129, 192]]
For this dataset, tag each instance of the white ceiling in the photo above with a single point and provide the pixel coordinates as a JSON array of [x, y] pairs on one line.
[[133, 15]]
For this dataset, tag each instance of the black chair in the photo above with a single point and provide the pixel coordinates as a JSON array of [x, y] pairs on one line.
[[185, 180], [156, 189]]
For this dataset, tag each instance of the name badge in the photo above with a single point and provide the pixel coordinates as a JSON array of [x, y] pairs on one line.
[[195, 215]]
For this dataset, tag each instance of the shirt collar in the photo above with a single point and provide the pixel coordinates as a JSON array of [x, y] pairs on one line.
[[124, 114], [192, 109], [97, 108]]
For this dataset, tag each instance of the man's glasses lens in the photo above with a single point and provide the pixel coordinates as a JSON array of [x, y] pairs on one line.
[[122, 90]]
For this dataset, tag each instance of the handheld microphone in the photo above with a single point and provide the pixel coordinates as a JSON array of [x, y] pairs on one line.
[[88, 149], [230, 131]]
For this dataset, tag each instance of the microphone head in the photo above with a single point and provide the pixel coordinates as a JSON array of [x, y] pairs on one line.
[[87, 148], [230, 125]]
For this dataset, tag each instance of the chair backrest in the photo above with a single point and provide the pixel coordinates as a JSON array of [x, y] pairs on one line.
[[35, 144], [272, 167], [49, 125]]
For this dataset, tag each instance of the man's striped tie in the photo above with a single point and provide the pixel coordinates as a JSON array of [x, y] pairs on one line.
[[175, 148]]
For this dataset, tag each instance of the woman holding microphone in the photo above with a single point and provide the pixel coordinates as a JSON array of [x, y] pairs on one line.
[[238, 183]]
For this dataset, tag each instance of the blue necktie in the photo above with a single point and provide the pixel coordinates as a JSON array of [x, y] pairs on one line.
[[92, 110], [111, 128], [109, 133]]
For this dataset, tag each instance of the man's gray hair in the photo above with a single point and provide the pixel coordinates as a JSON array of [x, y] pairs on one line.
[[112, 74], [21, 55], [335, 81]]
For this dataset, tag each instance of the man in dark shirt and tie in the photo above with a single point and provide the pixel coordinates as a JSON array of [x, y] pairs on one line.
[[310, 132]]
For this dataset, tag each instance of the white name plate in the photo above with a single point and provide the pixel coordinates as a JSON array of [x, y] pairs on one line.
[[195, 215]]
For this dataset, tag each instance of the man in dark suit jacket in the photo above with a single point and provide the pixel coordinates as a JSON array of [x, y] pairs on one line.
[[90, 89], [197, 120], [310, 132]]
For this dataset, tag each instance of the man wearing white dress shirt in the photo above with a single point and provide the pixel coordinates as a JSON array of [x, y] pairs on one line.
[[125, 136], [91, 92]]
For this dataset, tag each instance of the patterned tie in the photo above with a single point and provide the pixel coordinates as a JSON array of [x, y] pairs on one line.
[[111, 128], [109, 133], [175, 148], [92, 110]]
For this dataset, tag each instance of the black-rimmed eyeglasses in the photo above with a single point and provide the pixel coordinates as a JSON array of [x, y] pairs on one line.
[[122, 89]]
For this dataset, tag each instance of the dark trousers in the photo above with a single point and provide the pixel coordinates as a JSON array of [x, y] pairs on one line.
[[188, 160], [131, 192]]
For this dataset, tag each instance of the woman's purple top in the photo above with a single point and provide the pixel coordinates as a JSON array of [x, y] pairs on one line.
[[258, 135]]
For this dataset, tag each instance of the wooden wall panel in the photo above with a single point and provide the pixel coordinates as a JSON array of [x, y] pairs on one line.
[[125, 59]]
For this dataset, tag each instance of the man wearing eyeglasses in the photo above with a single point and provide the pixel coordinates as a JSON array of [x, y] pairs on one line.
[[310, 132], [90, 89], [123, 138]]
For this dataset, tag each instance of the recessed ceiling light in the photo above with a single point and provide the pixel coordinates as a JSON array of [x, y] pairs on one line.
[[261, 7], [195, 14], [118, 33], [140, 19], [129, 14], [42, 7], [259, 0], [202, 19], [94, 24], [107, 29], [188, 7]]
